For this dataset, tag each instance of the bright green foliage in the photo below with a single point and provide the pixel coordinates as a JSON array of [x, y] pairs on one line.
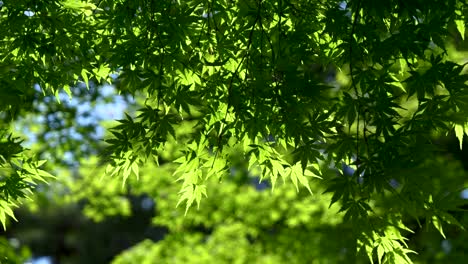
[[243, 221], [256, 78], [18, 175]]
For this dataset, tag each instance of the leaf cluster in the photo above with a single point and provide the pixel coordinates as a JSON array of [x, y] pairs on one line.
[[258, 78]]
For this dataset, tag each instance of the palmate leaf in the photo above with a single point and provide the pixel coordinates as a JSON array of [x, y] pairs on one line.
[[341, 188], [126, 164], [298, 175], [6, 210], [276, 169], [216, 167], [19, 178], [388, 244], [191, 174], [306, 154], [192, 193], [14, 187], [255, 72], [398, 256]]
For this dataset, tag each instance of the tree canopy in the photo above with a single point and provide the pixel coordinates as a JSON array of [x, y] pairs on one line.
[[346, 100]]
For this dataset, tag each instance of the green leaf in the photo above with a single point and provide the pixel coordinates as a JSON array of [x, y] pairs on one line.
[[298, 175], [126, 167], [449, 219], [192, 193], [5, 210], [84, 75], [459, 133], [135, 169], [380, 253], [461, 27], [67, 90], [438, 225]]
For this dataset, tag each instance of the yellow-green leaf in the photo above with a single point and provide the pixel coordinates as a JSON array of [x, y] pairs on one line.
[[459, 134], [438, 225], [461, 27], [84, 75]]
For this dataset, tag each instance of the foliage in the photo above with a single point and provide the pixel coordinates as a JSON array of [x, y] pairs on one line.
[[242, 220], [295, 88], [19, 175]]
